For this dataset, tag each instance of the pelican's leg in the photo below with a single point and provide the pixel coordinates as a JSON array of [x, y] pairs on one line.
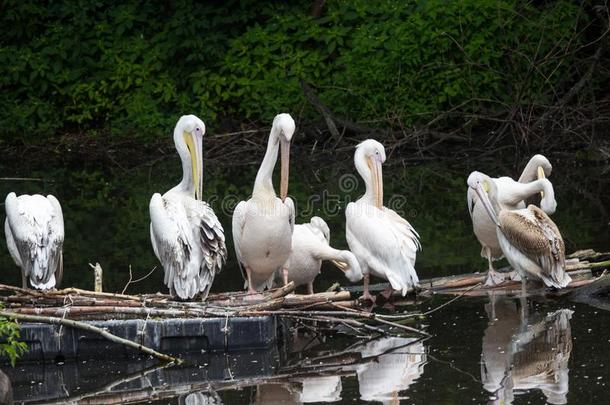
[[366, 295], [387, 292], [493, 277], [251, 289], [310, 288], [285, 275], [24, 280]]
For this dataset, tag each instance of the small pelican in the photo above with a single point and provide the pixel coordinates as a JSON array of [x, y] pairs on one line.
[[262, 226], [511, 196], [186, 236], [310, 245], [529, 239], [34, 230], [384, 243]]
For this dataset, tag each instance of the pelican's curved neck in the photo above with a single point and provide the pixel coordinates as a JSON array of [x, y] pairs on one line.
[[187, 184], [263, 185], [526, 190], [365, 172], [530, 172]]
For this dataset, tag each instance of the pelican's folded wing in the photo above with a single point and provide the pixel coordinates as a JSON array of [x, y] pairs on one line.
[[170, 235], [212, 240]]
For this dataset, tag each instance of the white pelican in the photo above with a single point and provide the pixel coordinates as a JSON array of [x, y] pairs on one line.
[[529, 239], [384, 243], [262, 226], [310, 245], [511, 196], [186, 236], [34, 230]]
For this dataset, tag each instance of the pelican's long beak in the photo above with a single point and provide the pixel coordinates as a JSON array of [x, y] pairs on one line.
[[377, 178], [541, 176], [194, 145], [285, 157], [484, 198]]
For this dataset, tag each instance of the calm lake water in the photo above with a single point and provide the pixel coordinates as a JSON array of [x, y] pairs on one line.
[[484, 349]]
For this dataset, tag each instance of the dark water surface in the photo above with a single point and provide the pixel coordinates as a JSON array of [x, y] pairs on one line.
[[484, 349]]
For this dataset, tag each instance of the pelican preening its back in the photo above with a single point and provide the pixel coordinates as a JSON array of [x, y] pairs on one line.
[[529, 239], [262, 226], [310, 246], [384, 243], [186, 236], [34, 230], [511, 195]]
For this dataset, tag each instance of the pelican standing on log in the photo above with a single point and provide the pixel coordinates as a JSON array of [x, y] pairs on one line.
[[34, 230], [310, 245], [186, 236], [529, 239], [263, 225], [384, 242], [511, 195]]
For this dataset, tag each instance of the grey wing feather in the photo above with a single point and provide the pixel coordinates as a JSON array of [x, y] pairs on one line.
[[212, 240]]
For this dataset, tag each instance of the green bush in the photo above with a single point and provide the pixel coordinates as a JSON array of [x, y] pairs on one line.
[[10, 347], [131, 69]]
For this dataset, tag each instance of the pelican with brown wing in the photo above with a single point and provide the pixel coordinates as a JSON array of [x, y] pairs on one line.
[[529, 239]]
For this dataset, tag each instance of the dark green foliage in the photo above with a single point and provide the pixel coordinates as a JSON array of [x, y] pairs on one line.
[[10, 347], [132, 68]]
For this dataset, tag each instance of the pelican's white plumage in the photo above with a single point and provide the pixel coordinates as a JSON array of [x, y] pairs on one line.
[[384, 243], [511, 195], [186, 236], [34, 230], [263, 225], [529, 239], [310, 246]]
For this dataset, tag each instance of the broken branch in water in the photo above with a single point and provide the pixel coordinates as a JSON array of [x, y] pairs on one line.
[[90, 328]]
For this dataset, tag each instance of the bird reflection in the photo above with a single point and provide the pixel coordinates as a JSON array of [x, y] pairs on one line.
[[201, 398], [321, 389], [276, 394], [392, 372], [523, 354]]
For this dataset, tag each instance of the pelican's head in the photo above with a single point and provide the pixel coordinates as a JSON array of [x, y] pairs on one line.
[[188, 137], [285, 126], [369, 157], [543, 168], [353, 271], [484, 186]]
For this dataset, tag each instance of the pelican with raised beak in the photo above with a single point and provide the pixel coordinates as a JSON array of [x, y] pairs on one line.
[[263, 225]]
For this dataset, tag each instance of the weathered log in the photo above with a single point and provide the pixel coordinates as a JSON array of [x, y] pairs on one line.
[[90, 328], [298, 300]]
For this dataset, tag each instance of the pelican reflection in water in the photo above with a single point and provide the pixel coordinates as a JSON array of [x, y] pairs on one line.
[[525, 354], [399, 363]]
